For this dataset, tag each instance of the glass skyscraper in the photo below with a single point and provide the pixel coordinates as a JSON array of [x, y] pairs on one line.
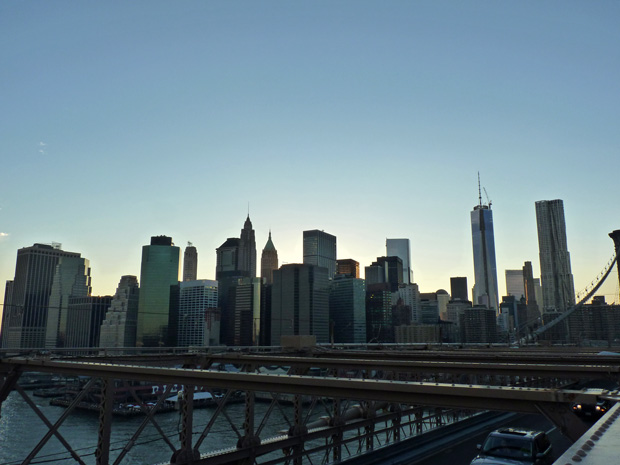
[[555, 270], [400, 248], [320, 250], [159, 271], [485, 269]]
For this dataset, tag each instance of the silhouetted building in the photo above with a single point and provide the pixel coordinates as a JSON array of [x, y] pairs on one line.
[[84, 318], [300, 302], [400, 248], [555, 270], [458, 288], [483, 242], [190, 263], [385, 270], [246, 312], [348, 267], [158, 273], [347, 309], [379, 302], [320, 250], [247, 250], [529, 285], [479, 323], [118, 328], [410, 295], [268, 261], [27, 297], [227, 273]]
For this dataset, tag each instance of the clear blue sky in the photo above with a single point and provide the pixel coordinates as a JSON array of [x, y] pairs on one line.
[[367, 119]]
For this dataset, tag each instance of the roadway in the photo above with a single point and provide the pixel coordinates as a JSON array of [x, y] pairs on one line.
[[463, 452]]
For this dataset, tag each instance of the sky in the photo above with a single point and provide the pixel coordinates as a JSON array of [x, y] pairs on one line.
[[366, 119]]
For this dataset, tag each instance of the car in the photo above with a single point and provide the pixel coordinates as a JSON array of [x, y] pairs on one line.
[[515, 446], [591, 411]]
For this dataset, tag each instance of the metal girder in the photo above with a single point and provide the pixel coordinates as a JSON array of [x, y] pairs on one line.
[[420, 393]]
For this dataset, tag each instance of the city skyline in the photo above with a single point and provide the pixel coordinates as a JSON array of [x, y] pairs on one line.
[[125, 126]]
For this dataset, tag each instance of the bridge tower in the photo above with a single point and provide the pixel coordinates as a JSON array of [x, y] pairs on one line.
[[615, 235]]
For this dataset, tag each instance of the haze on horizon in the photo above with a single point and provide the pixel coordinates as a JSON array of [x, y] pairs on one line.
[[366, 119]]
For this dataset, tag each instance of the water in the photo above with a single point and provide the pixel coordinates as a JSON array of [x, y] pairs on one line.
[[21, 430]]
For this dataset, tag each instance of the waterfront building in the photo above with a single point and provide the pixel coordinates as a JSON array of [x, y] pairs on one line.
[[84, 318], [417, 333], [158, 273], [348, 267], [300, 302], [27, 296], [247, 250], [198, 322], [268, 261], [400, 248], [71, 279], [483, 242], [458, 288], [555, 269], [118, 328], [515, 283], [319, 249], [190, 263], [347, 309]]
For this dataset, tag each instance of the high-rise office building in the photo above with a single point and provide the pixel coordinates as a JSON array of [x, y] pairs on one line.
[[483, 242], [320, 250], [348, 267], [300, 302], [246, 312], [26, 302], [84, 318], [347, 309], [247, 250], [458, 288], [400, 248], [555, 270], [515, 284], [190, 263], [379, 302], [158, 273], [71, 279], [529, 286], [198, 304], [385, 270], [118, 328], [268, 261]]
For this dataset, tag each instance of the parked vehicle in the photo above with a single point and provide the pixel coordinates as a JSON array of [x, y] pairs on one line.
[[513, 446]]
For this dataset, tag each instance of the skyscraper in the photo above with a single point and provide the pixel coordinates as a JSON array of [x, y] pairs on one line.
[[515, 284], [483, 241], [458, 288], [190, 263], [347, 309], [159, 271], [71, 279], [320, 250], [119, 326], [198, 301], [247, 250], [348, 267], [300, 302], [26, 302], [400, 248], [529, 286], [268, 261], [555, 270]]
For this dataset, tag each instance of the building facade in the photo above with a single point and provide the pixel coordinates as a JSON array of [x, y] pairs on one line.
[[348, 267], [515, 284], [401, 248], [268, 261], [347, 309], [27, 296], [190, 263], [458, 288], [555, 270], [84, 318], [247, 250], [158, 273], [118, 328], [300, 302], [319, 249], [198, 302], [485, 269]]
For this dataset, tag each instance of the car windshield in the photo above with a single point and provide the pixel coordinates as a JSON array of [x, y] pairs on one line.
[[512, 447]]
